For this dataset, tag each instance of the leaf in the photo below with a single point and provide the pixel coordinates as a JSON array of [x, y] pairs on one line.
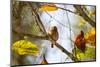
[[92, 13], [81, 21], [90, 36], [48, 7], [44, 62], [88, 55], [24, 47]]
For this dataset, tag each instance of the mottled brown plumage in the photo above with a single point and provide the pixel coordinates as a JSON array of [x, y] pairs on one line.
[[54, 35]]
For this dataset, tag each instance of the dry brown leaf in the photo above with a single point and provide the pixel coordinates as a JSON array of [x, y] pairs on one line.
[[44, 62]]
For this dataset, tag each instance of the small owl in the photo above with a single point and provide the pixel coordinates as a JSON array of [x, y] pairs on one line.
[[54, 35]]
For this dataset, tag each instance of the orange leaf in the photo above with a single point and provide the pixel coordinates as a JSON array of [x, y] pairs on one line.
[[44, 62], [90, 36], [48, 7]]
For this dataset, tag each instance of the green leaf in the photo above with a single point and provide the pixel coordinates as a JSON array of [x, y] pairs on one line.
[[88, 55], [24, 47]]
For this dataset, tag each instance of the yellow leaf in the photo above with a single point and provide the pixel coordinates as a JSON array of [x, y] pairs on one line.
[[81, 21], [91, 13], [90, 36], [24, 47], [91, 33], [48, 7], [80, 55], [89, 53]]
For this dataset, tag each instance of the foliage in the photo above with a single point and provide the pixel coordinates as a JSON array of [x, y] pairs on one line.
[[81, 22], [31, 24], [89, 53], [24, 47], [48, 7], [91, 36]]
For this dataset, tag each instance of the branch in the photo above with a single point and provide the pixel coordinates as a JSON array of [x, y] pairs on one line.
[[66, 52], [68, 23], [57, 20], [67, 10], [84, 15], [39, 22], [29, 35]]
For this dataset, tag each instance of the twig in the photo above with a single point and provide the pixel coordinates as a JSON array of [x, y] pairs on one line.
[[57, 20], [81, 13], [69, 25], [67, 10], [70, 33], [84, 15], [30, 35], [66, 52]]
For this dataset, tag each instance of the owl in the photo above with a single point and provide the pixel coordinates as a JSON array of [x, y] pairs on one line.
[[54, 35]]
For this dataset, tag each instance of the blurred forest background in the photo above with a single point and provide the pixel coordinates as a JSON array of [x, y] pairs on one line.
[[45, 33]]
